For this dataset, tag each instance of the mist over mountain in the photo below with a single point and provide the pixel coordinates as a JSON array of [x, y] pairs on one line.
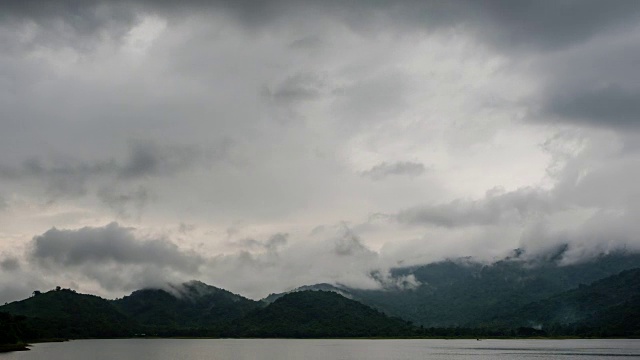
[[604, 308], [318, 314], [464, 292], [515, 296], [189, 305], [63, 313]]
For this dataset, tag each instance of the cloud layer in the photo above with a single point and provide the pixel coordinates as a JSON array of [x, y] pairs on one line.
[[262, 145]]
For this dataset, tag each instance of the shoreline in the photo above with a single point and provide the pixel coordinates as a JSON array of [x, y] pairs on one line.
[[14, 347], [334, 338]]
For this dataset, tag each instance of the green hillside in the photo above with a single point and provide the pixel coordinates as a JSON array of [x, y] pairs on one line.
[[465, 293], [608, 307], [192, 305], [512, 297], [64, 313], [317, 314]]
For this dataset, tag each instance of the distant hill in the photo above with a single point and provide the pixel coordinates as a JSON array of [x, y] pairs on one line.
[[317, 314], [462, 292], [190, 305], [515, 296], [608, 307], [63, 313], [317, 287], [197, 309]]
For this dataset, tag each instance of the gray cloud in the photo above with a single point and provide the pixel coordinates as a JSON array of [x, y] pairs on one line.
[[437, 82], [272, 244], [111, 244], [276, 241], [497, 207], [149, 159], [69, 22], [144, 160], [127, 204], [383, 170], [63, 179], [349, 244], [112, 257], [298, 87], [542, 24], [552, 24], [184, 228], [610, 106], [10, 264], [395, 282], [307, 42]]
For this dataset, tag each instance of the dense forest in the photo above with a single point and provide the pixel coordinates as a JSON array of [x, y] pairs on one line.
[[317, 314], [464, 293], [13, 330]]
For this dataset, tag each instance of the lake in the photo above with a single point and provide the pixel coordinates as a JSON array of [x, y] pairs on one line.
[[285, 349]]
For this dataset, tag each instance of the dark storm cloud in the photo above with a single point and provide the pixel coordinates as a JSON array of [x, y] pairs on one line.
[[69, 22], [549, 24], [494, 209], [594, 84], [610, 106], [111, 244], [383, 170], [546, 24]]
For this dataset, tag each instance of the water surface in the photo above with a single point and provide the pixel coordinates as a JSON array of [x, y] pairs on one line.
[[284, 349]]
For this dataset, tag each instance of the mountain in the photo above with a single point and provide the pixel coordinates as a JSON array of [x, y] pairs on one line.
[[185, 306], [317, 287], [608, 307], [462, 292], [317, 314], [449, 298], [63, 313], [194, 309]]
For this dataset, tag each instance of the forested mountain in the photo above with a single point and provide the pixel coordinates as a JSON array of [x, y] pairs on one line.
[[195, 309], [185, 306], [608, 307], [63, 313], [462, 292], [451, 298], [317, 287], [317, 314]]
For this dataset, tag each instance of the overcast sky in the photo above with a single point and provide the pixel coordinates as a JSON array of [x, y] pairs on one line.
[[263, 145]]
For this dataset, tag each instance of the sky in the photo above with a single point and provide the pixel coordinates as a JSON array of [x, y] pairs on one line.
[[259, 146]]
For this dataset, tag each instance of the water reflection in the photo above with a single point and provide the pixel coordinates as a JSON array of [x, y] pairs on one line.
[[279, 349]]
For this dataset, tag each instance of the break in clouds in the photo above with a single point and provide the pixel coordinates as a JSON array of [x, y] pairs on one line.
[[263, 145]]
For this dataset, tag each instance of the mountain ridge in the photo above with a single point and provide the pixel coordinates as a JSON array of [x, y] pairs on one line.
[[448, 295]]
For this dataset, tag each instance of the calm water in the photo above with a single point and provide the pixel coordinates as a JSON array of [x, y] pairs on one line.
[[227, 349]]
